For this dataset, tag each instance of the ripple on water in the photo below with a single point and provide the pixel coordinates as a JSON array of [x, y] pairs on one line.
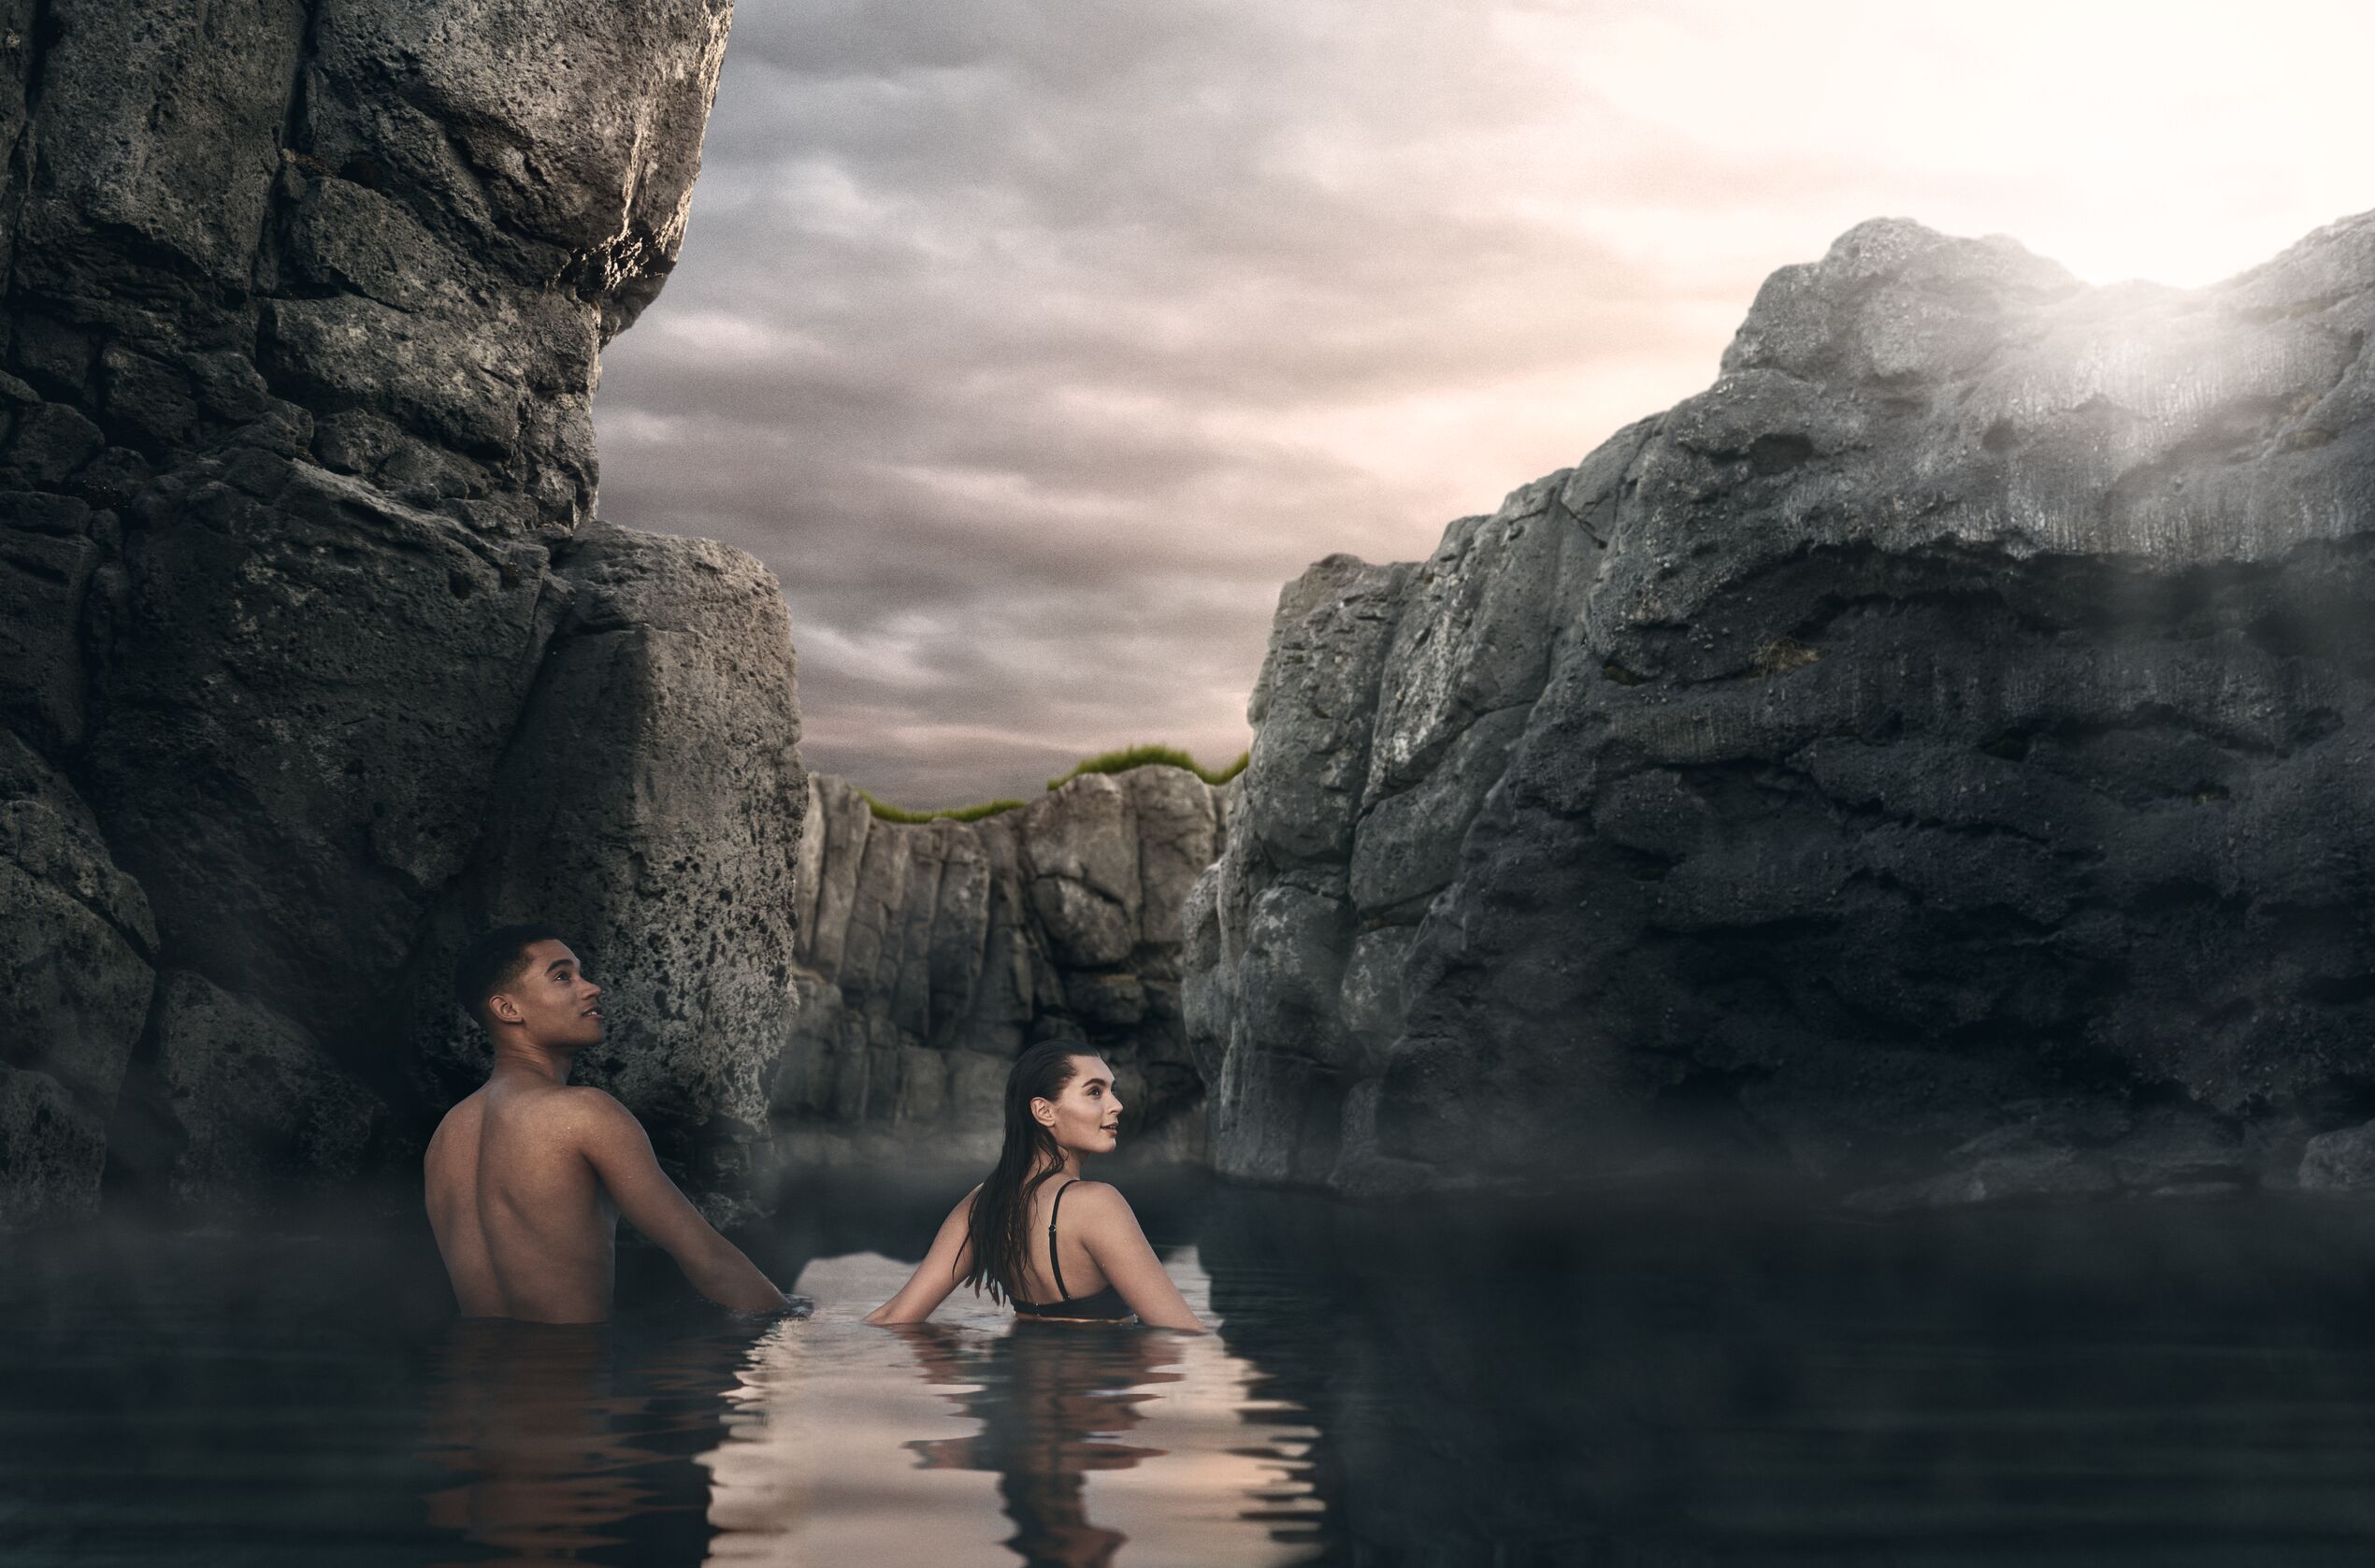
[[941, 1441], [1505, 1386]]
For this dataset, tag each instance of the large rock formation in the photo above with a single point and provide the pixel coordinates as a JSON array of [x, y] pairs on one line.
[[650, 805], [310, 661], [76, 939], [1939, 747], [932, 953]]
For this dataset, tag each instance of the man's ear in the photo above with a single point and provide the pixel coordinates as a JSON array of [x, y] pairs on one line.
[[503, 1010]]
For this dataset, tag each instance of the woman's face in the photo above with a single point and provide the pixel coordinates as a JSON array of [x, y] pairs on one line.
[[1085, 1116]]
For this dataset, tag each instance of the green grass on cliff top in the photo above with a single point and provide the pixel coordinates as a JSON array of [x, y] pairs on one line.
[[1122, 761], [1151, 756], [889, 813]]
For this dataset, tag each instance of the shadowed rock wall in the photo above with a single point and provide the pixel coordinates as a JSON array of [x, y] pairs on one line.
[[312, 661], [1935, 754], [932, 953]]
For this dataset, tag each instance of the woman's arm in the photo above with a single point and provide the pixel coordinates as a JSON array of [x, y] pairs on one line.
[[1112, 1238], [937, 1274]]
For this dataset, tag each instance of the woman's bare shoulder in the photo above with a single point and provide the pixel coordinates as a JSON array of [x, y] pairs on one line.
[[1098, 1202]]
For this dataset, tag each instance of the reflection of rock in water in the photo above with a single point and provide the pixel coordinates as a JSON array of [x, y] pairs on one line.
[[1661, 1388], [562, 1442], [1052, 1400]]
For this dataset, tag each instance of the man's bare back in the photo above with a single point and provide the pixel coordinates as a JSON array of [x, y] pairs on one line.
[[520, 1215], [526, 1179]]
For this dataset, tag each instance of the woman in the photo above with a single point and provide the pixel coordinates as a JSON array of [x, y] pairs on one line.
[[1052, 1245]]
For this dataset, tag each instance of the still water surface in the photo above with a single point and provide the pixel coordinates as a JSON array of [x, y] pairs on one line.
[[1627, 1386]]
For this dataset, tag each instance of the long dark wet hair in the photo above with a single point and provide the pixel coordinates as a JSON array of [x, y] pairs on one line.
[[1000, 1227]]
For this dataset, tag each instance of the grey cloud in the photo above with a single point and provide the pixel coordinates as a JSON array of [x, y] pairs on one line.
[[1040, 308]]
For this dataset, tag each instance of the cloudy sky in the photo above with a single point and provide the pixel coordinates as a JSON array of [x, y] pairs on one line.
[[1035, 345]]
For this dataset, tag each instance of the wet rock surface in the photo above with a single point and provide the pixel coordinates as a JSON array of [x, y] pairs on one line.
[[932, 953], [2339, 1161], [77, 941], [650, 806], [1960, 708], [299, 601], [257, 1113]]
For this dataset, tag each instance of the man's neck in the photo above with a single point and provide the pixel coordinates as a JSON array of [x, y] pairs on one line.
[[516, 1056]]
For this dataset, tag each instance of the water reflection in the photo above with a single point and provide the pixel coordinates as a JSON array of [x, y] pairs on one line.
[[1670, 1387], [1064, 1445], [567, 1445], [1053, 1401], [1498, 1385]]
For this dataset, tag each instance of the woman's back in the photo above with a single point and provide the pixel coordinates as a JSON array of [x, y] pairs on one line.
[[1063, 1278], [1052, 1245]]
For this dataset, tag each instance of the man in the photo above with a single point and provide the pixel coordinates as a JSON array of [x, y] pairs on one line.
[[526, 1178]]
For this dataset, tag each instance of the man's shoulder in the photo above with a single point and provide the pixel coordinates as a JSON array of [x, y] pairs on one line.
[[581, 1104], [552, 1119], [525, 1092], [468, 1104], [593, 1117], [558, 1109], [463, 1113]]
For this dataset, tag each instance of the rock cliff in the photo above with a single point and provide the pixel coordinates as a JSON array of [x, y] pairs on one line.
[[932, 953], [313, 658], [1932, 756]]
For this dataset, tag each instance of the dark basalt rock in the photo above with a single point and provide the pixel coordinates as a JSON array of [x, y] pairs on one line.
[[76, 945], [300, 613], [1962, 707], [932, 953], [259, 1112], [2341, 1161], [650, 805]]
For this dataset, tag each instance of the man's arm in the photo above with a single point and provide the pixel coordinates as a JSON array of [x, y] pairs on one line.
[[621, 1153]]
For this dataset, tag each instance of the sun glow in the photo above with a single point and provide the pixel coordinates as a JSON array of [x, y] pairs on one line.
[[2176, 142], [1030, 325]]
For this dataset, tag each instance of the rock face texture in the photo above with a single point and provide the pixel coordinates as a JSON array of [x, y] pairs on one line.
[[260, 1110], [1935, 756], [312, 658], [932, 953], [650, 805], [76, 941]]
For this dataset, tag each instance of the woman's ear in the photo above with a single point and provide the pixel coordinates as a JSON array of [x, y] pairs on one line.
[[1043, 1110]]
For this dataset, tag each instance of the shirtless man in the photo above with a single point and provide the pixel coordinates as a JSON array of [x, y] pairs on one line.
[[527, 1177]]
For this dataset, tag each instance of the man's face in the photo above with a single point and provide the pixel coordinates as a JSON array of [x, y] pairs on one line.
[[551, 999]]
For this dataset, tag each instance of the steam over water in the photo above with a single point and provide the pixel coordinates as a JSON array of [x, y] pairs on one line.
[[1631, 1385]]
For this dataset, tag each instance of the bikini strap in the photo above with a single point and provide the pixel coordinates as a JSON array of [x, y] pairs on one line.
[[1054, 1267]]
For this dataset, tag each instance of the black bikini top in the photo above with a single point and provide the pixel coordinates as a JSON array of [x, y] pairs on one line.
[[1105, 1305]]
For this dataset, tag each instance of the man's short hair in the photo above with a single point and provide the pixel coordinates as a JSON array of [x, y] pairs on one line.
[[494, 961]]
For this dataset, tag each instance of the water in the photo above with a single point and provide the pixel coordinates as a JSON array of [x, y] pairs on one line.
[[1629, 1386]]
